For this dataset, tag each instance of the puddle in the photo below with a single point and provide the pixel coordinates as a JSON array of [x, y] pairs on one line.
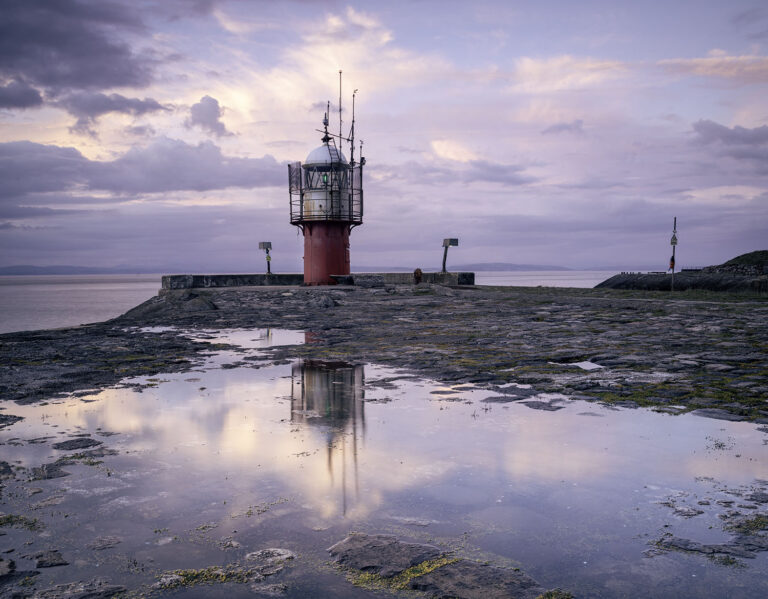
[[244, 339], [214, 465]]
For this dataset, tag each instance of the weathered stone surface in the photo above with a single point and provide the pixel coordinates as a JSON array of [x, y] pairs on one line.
[[48, 471], [428, 569], [733, 549], [49, 559], [8, 420], [543, 405], [758, 497], [718, 414], [93, 589], [81, 443], [5, 470], [482, 335], [380, 554], [106, 542], [269, 590], [471, 580], [7, 567]]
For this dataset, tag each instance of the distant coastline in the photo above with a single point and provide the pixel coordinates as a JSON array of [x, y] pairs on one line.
[[27, 269]]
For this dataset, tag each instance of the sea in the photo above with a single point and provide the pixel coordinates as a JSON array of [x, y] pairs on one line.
[[35, 302]]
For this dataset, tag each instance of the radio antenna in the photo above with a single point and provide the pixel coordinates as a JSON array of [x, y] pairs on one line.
[[352, 132], [341, 133]]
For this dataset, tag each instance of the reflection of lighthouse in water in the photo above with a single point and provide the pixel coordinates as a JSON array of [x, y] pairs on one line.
[[330, 395]]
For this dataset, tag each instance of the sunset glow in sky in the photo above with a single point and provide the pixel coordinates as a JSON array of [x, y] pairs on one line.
[[156, 133]]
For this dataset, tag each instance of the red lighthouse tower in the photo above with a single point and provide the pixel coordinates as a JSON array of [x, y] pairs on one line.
[[326, 197]]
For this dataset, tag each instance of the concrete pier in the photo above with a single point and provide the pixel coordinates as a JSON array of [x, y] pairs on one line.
[[368, 279]]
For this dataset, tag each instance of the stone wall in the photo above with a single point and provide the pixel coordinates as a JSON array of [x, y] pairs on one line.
[[360, 279]]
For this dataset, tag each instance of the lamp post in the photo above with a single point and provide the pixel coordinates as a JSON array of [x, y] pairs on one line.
[[446, 244], [266, 246]]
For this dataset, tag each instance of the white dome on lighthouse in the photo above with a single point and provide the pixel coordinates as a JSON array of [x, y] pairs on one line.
[[325, 154]]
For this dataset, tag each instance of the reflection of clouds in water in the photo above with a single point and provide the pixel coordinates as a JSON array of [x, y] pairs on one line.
[[306, 432], [633, 444]]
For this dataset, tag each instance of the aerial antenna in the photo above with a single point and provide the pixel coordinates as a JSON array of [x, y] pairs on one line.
[[352, 132], [340, 131], [326, 137]]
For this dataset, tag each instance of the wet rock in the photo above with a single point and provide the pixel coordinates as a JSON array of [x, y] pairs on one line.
[[270, 561], [8, 419], [49, 559], [687, 511], [102, 543], [471, 580], [271, 555], [7, 567], [687, 545], [5, 470], [426, 568], [93, 589], [718, 414], [501, 399], [81, 443], [380, 554], [758, 497], [269, 590], [48, 471], [543, 405], [168, 581]]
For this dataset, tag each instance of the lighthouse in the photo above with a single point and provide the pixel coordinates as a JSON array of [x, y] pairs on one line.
[[326, 203]]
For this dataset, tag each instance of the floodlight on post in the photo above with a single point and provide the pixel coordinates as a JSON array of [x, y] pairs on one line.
[[266, 246], [447, 242]]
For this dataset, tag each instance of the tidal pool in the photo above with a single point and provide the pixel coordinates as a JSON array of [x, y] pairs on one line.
[[215, 464]]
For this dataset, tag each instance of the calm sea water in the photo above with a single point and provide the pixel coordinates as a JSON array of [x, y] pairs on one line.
[[52, 301], [29, 303]]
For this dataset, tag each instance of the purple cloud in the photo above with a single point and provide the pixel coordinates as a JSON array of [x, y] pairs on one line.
[[207, 114]]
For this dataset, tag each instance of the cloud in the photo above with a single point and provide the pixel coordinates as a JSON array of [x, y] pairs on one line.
[[751, 18], [710, 131], [28, 168], [172, 165], [472, 171], [207, 114], [140, 130], [743, 69], [739, 143], [87, 106], [452, 150], [532, 75], [71, 44], [575, 126], [18, 94]]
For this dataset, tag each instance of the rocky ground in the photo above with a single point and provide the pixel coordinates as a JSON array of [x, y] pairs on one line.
[[681, 352], [677, 353]]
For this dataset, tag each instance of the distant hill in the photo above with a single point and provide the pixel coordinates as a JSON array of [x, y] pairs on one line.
[[479, 267], [505, 266], [758, 258]]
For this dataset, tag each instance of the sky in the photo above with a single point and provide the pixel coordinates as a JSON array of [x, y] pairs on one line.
[[156, 133]]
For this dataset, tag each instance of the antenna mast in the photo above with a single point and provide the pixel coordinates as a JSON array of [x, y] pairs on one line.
[[340, 131], [352, 132]]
